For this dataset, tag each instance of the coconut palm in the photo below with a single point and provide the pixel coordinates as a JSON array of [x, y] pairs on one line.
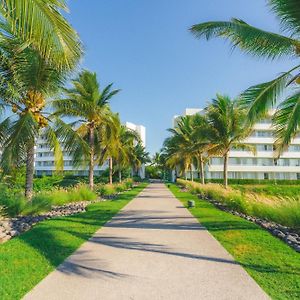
[[227, 129], [190, 143], [123, 147], [260, 43], [138, 157], [41, 26], [27, 82], [94, 121]]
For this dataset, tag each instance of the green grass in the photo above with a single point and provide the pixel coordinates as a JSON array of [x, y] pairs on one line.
[[27, 259], [272, 264]]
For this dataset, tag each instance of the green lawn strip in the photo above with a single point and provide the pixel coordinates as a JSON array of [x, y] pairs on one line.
[[27, 259], [272, 264]]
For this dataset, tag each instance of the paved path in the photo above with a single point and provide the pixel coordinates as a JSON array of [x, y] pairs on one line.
[[153, 249]]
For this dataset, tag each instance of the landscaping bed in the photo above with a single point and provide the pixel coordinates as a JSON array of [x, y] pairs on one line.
[[28, 258], [271, 263]]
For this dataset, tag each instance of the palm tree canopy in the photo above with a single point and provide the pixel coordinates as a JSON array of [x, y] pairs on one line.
[[227, 124], [85, 100], [40, 25]]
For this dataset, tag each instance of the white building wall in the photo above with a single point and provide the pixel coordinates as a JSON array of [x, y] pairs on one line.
[[263, 165]]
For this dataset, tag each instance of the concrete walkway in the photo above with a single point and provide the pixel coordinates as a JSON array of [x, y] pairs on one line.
[[153, 249]]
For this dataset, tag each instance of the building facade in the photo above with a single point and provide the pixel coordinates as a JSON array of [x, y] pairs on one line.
[[264, 164], [45, 161]]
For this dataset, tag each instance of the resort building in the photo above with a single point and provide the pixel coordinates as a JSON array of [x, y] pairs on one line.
[[45, 162], [263, 165]]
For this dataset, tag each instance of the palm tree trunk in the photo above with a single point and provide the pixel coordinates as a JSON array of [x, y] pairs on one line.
[[225, 171], [110, 170], [192, 174], [29, 170], [201, 166], [120, 174], [92, 154]]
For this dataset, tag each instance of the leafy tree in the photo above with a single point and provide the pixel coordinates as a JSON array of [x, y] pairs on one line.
[[260, 43], [94, 121]]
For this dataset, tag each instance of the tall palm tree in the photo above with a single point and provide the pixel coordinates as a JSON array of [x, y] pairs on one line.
[[27, 83], [138, 157], [260, 43], [189, 143], [227, 129], [40, 25], [126, 139], [90, 106]]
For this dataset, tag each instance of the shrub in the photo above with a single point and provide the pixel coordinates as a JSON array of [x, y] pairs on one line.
[[40, 203], [13, 201], [106, 189]]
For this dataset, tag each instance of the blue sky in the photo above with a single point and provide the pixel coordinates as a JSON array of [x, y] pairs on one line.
[[144, 47]]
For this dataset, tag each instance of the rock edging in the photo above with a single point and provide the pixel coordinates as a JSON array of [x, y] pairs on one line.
[[284, 233], [11, 227]]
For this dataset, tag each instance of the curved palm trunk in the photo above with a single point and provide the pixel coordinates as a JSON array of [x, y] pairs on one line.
[[92, 154], [225, 170], [120, 174], [191, 172], [29, 170], [201, 166], [110, 170]]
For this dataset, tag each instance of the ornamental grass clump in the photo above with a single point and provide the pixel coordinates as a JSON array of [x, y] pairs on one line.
[[282, 210]]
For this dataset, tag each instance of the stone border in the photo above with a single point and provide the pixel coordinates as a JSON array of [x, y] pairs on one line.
[[284, 233], [11, 227]]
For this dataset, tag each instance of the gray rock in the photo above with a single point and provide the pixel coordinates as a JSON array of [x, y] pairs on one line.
[[14, 233], [291, 239]]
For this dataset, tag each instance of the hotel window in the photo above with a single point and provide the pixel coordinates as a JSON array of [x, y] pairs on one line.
[[298, 176], [266, 175]]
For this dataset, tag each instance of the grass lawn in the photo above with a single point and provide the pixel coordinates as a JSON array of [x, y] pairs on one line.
[[273, 264], [27, 259]]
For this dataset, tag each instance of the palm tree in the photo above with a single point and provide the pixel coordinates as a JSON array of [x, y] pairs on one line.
[[90, 106], [138, 157], [227, 129], [41, 26], [27, 83], [126, 138], [38, 48], [189, 144], [259, 98]]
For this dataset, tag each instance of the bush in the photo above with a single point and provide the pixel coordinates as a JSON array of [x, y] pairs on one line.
[[282, 210], [106, 189], [46, 183], [13, 201]]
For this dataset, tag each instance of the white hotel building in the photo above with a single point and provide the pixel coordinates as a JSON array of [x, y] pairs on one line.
[[263, 165], [45, 163]]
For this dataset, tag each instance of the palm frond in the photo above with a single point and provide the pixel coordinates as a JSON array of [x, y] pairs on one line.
[[289, 13], [258, 99], [250, 39], [40, 24], [287, 121]]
